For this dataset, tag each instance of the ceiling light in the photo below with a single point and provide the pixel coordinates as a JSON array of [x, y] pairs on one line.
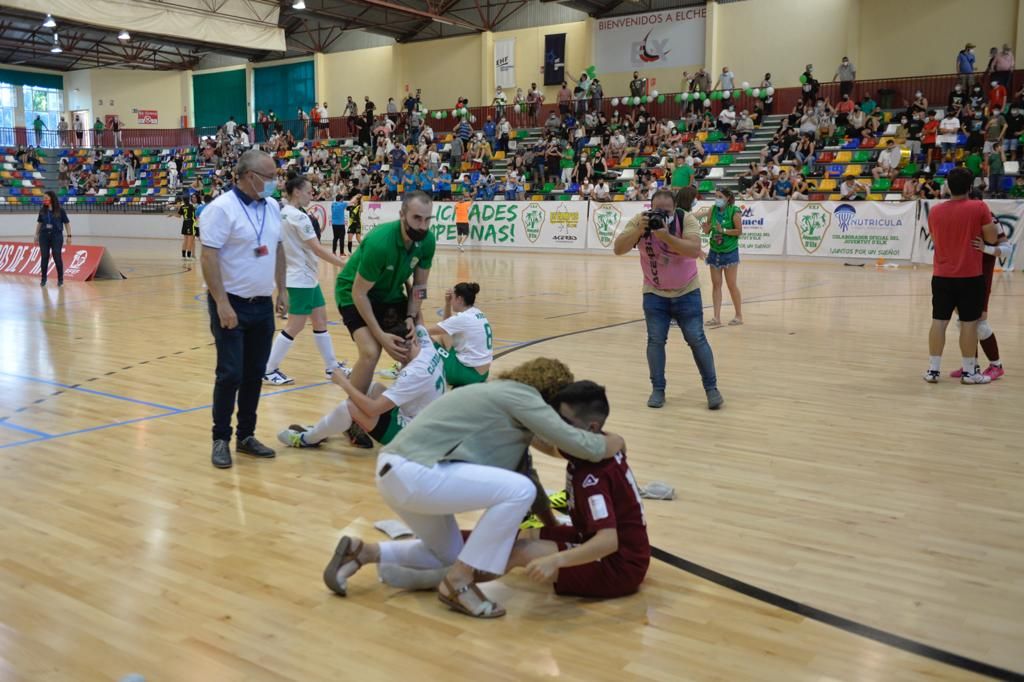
[[124, 35], [299, 4], [56, 49], [49, 23], [442, 20]]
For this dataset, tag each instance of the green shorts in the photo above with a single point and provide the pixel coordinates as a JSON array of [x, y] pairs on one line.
[[387, 427], [457, 374], [302, 301]]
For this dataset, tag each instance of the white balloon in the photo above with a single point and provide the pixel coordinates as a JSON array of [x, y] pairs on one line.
[[615, 101], [756, 92], [770, 91], [707, 103], [726, 94], [455, 113], [671, 124], [686, 96], [654, 93], [472, 119], [745, 85], [636, 100]]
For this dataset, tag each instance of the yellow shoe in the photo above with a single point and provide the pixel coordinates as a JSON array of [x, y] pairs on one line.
[[531, 521], [559, 501]]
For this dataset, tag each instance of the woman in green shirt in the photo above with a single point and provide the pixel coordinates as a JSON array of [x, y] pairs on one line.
[[724, 226]]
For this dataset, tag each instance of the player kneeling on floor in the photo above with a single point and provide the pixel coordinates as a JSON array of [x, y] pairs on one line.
[[382, 412], [466, 337], [605, 552]]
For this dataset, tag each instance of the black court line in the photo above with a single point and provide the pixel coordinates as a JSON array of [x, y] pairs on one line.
[[785, 603]]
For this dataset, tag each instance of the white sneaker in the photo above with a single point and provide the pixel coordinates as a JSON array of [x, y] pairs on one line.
[[932, 376], [391, 373], [975, 377], [341, 367], [277, 378]]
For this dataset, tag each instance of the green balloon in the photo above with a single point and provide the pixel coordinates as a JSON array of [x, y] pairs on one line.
[[749, 91], [764, 94], [803, 79], [645, 99], [679, 98], [661, 99], [716, 95]]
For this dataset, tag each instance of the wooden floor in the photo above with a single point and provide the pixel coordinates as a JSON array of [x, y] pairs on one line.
[[834, 477]]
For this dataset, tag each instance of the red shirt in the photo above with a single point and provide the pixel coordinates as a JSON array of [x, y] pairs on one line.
[[954, 224], [605, 495], [997, 97], [931, 126]]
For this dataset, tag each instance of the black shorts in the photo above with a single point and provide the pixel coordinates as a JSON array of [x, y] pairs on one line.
[[189, 230], [966, 295], [389, 315], [462, 229], [355, 229]]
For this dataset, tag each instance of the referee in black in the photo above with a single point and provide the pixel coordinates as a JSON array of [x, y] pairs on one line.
[[242, 259]]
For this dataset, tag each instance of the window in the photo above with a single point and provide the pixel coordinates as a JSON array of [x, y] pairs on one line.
[[8, 105], [48, 105]]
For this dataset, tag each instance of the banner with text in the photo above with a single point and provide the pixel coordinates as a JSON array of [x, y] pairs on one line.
[[1008, 213], [505, 64], [81, 263], [862, 229], [764, 225], [671, 38]]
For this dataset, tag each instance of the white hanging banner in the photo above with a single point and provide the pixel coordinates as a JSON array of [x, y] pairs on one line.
[[670, 38], [858, 229], [505, 63], [1007, 212]]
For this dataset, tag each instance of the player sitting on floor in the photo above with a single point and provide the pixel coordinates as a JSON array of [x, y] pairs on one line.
[[605, 552], [384, 411], [465, 336]]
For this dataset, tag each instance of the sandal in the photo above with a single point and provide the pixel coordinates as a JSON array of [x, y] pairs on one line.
[[713, 323], [486, 608], [735, 322], [346, 552]]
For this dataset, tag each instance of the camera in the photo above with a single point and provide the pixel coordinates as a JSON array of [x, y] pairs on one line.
[[657, 219]]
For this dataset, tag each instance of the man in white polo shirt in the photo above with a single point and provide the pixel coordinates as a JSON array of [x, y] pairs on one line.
[[242, 259]]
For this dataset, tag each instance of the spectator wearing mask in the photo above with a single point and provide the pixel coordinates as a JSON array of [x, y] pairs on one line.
[[995, 132], [1014, 129], [965, 65], [996, 98], [1002, 67], [744, 127], [846, 74], [726, 81], [727, 119], [769, 101], [637, 86], [888, 161], [810, 85], [843, 110], [957, 98], [783, 187], [949, 131]]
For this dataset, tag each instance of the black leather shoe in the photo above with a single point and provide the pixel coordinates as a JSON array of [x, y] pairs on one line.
[[251, 446], [221, 457], [358, 438]]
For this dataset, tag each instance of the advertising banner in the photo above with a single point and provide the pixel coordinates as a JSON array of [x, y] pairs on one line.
[[81, 263], [1008, 213], [554, 58], [148, 117], [666, 39], [860, 229], [505, 63]]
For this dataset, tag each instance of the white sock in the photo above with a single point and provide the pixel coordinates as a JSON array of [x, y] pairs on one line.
[[326, 348], [282, 344], [996, 363], [334, 423], [969, 364], [933, 362]]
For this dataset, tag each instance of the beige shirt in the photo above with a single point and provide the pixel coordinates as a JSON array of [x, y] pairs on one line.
[[491, 424], [691, 227]]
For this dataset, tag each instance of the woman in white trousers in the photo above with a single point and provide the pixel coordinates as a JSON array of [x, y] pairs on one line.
[[461, 454]]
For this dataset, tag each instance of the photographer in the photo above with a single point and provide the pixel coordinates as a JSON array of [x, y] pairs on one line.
[[669, 243]]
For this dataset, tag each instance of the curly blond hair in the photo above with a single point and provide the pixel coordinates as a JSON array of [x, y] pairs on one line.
[[547, 375]]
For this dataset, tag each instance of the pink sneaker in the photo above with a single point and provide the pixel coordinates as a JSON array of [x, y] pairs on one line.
[[993, 372], [956, 373]]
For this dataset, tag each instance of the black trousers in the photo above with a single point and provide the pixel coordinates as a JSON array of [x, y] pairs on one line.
[[242, 355], [339, 238], [50, 243], [846, 88]]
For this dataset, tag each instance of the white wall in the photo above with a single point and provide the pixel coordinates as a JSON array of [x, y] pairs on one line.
[[23, 225]]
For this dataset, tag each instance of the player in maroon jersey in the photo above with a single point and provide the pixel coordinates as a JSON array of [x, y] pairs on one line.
[[605, 552], [986, 337]]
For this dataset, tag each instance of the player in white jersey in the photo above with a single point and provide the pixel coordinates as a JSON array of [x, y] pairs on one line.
[[302, 248], [382, 412], [466, 337]]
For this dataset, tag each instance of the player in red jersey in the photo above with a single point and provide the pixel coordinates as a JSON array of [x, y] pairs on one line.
[[605, 552], [986, 337]]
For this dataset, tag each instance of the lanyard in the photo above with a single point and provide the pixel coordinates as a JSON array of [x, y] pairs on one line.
[[263, 218]]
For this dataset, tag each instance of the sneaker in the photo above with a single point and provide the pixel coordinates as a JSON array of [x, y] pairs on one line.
[[657, 398], [531, 521], [932, 376], [358, 438], [277, 378], [392, 372], [559, 501], [293, 438], [994, 372], [345, 370], [975, 378], [956, 373]]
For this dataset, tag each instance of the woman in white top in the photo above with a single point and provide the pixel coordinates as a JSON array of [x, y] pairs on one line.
[[302, 248], [466, 337]]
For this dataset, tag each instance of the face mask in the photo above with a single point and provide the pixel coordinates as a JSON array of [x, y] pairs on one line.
[[917, 94], [416, 235], [903, 121], [268, 188], [719, 203], [846, 63]]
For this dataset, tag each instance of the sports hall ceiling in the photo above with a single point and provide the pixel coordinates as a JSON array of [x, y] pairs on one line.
[[88, 39]]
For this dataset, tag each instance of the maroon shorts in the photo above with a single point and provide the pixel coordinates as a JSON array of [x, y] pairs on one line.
[[610, 577]]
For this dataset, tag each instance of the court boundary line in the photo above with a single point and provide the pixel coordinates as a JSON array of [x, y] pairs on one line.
[[848, 625]]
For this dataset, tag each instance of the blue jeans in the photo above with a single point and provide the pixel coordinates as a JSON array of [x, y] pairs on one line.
[[242, 355], [688, 312]]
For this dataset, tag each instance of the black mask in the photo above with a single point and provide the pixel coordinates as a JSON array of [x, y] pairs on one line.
[[416, 235]]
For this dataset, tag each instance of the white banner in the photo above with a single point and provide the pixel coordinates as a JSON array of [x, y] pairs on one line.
[[505, 64], [860, 229], [1007, 212], [764, 225], [666, 39]]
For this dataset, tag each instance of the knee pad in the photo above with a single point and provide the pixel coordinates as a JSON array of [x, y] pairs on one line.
[[984, 330]]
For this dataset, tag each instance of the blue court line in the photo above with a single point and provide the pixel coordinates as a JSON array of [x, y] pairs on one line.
[[82, 389], [23, 429]]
